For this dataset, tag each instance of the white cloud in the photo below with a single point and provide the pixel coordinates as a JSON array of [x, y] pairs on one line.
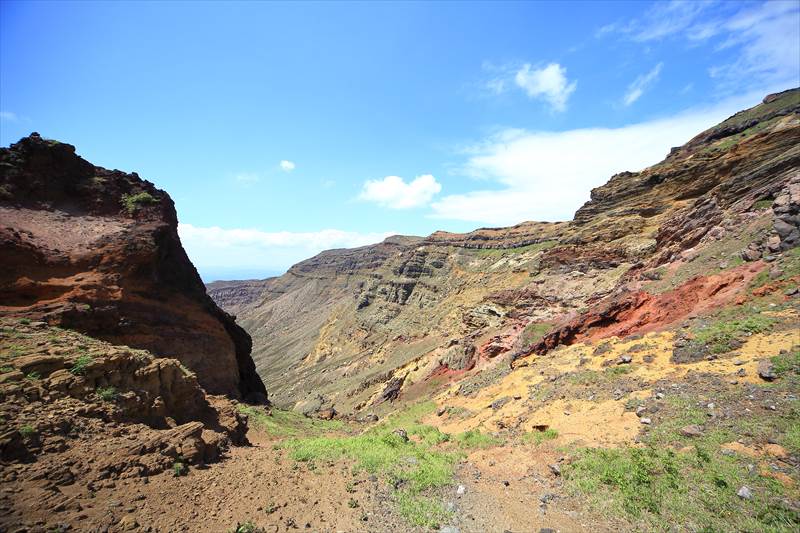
[[218, 249], [549, 83], [9, 116], [547, 176], [287, 166], [641, 84], [395, 193]]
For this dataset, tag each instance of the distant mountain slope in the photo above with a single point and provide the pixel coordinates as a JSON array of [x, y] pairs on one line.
[[348, 327], [98, 251]]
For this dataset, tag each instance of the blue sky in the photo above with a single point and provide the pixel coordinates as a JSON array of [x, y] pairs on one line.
[[284, 129]]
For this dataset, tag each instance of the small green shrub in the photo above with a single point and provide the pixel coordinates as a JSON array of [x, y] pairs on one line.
[[27, 430], [107, 394], [25, 321], [247, 527], [352, 503], [6, 369], [132, 202], [179, 468], [79, 367], [33, 376]]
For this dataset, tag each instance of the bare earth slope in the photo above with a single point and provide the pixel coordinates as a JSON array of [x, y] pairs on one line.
[[98, 251]]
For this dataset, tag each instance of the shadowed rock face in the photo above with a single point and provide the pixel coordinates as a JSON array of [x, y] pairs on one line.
[[98, 251], [345, 324]]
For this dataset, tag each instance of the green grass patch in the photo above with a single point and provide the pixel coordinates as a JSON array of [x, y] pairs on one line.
[[538, 437], [132, 202], [27, 430], [534, 331], [283, 423], [413, 466], [475, 439], [723, 335]]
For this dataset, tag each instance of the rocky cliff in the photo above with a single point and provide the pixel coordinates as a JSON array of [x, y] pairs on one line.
[[410, 314], [97, 251]]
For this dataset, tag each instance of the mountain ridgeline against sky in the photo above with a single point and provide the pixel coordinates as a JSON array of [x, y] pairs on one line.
[[340, 328]]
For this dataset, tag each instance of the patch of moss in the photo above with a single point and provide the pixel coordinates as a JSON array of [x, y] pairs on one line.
[[132, 202]]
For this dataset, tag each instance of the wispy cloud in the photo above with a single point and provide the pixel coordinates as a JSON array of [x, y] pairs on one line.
[[8, 116], [286, 165], [642, 83], [547, 176], [395, 193], [765, 37], [215, 248]]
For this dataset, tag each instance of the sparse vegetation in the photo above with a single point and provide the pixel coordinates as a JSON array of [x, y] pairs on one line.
[[411, 465], [132, 202], [724, 335], [538, 437], [107, 394], [25, 321], [283, 423], [27, 430], [179, 468], [247, 527], [33, 376], [534, 331], [79, 367], [475, 439]]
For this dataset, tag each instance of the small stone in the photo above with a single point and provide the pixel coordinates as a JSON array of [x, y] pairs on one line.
[[741, 372], [624, 359], [645, 421], [744, 492], [766, 371], [449, 529], [506, 483], [461, 490], [441, 411], [691, 431], [555, 469], [659, 396], [640, 411]]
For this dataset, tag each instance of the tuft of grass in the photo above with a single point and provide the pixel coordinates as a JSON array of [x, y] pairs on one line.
[[535, 247], [6, 369], [107, 394], [788, 363], [475, 439], [132, 202], [79, 367], [27, 430], [33, 376], [25, 321], [538, 437]]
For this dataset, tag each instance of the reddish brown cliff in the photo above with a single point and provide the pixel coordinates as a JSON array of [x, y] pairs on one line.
[[98, 251]]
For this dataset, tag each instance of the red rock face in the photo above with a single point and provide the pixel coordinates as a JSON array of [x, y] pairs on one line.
[[642, 312], [98, 251]]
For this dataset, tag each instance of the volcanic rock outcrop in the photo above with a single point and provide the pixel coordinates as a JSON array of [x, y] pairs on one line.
[[647, 250], [98, 251]]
